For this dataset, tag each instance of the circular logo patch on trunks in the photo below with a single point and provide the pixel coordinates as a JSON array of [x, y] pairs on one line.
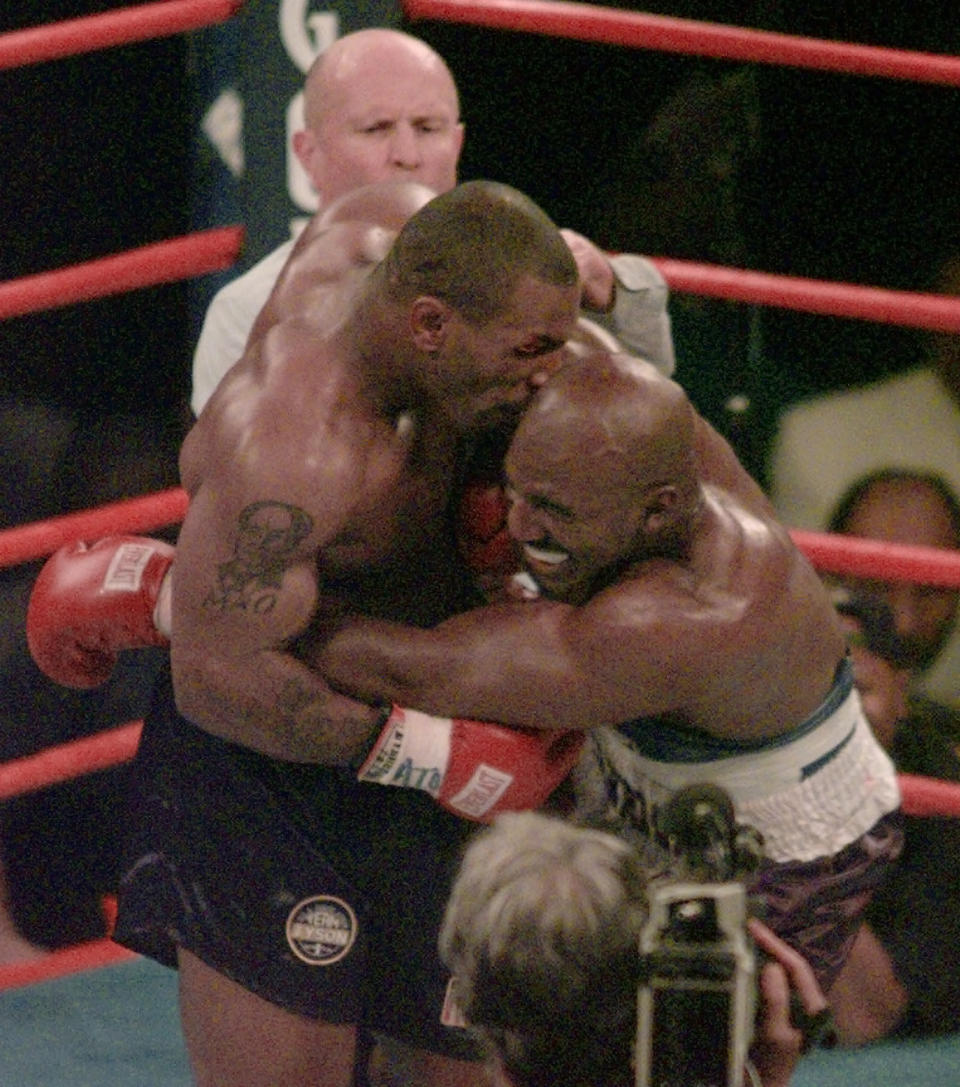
[[321, 930]]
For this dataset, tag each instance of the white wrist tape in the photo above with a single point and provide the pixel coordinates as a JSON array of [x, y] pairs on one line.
[[413, 751], [162, 610]]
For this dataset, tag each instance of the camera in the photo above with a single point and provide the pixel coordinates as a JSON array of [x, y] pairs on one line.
[[696, 998], [697, 994]]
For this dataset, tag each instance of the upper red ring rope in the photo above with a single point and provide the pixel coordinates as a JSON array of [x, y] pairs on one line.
[[211, 250], [586, 22], [122, 27], [908, 308]]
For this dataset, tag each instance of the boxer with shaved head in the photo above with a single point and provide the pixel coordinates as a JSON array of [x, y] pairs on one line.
[[669, 602]]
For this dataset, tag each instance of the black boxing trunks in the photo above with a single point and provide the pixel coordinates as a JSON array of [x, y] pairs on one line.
[[320, 895]]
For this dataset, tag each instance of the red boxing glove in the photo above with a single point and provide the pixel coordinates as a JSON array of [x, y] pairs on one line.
[[472, 768], [482, 533], [89, 603]]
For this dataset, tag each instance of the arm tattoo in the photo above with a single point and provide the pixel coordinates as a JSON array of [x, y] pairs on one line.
[[268, 534], [308, 731], [293, 729]]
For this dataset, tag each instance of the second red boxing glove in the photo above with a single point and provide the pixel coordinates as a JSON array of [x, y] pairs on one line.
[[90, 602], [474, 769], [483, 537]]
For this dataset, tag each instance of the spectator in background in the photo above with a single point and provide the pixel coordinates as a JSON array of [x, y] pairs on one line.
[[909, 507], [902, 977], [881, 661], [910, 420], [541, 936], [679, 185], [380, 105]]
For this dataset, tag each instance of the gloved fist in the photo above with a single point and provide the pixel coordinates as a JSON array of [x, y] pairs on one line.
[[89, 603], [474, 769], [597, 281]]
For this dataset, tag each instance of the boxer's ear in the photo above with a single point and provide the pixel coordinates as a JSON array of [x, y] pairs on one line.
[[308, 152], [429, 318], [661, 506]]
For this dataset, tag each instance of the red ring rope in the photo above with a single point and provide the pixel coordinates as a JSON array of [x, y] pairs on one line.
[[829, 552], [838, 554], [162, 262], [920, 797], [907, 308], [145, 514], [928, 796], [212, 250], [91, 32], [68, 960], [69, 760], [586, 22]]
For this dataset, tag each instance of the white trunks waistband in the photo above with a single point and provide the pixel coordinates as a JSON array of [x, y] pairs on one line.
[[809, 797]]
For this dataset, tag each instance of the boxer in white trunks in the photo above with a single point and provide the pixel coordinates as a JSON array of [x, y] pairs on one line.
[[669, 599]]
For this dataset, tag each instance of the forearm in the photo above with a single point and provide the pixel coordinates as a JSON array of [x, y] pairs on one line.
[[274, 704], [504, 663], [778, 1041], [379, 661]]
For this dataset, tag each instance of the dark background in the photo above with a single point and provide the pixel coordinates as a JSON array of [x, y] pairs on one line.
[[95, 158], [782, 170], [790, 171], [797, 172]]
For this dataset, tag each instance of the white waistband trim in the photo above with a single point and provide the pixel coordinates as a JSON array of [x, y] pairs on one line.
[[800, 817]]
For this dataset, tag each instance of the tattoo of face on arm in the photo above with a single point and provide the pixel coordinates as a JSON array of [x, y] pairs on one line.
[[268, 534]]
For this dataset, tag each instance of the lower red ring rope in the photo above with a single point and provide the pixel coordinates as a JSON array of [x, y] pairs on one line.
[[68, 960], [921, 797], [73, 759]]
